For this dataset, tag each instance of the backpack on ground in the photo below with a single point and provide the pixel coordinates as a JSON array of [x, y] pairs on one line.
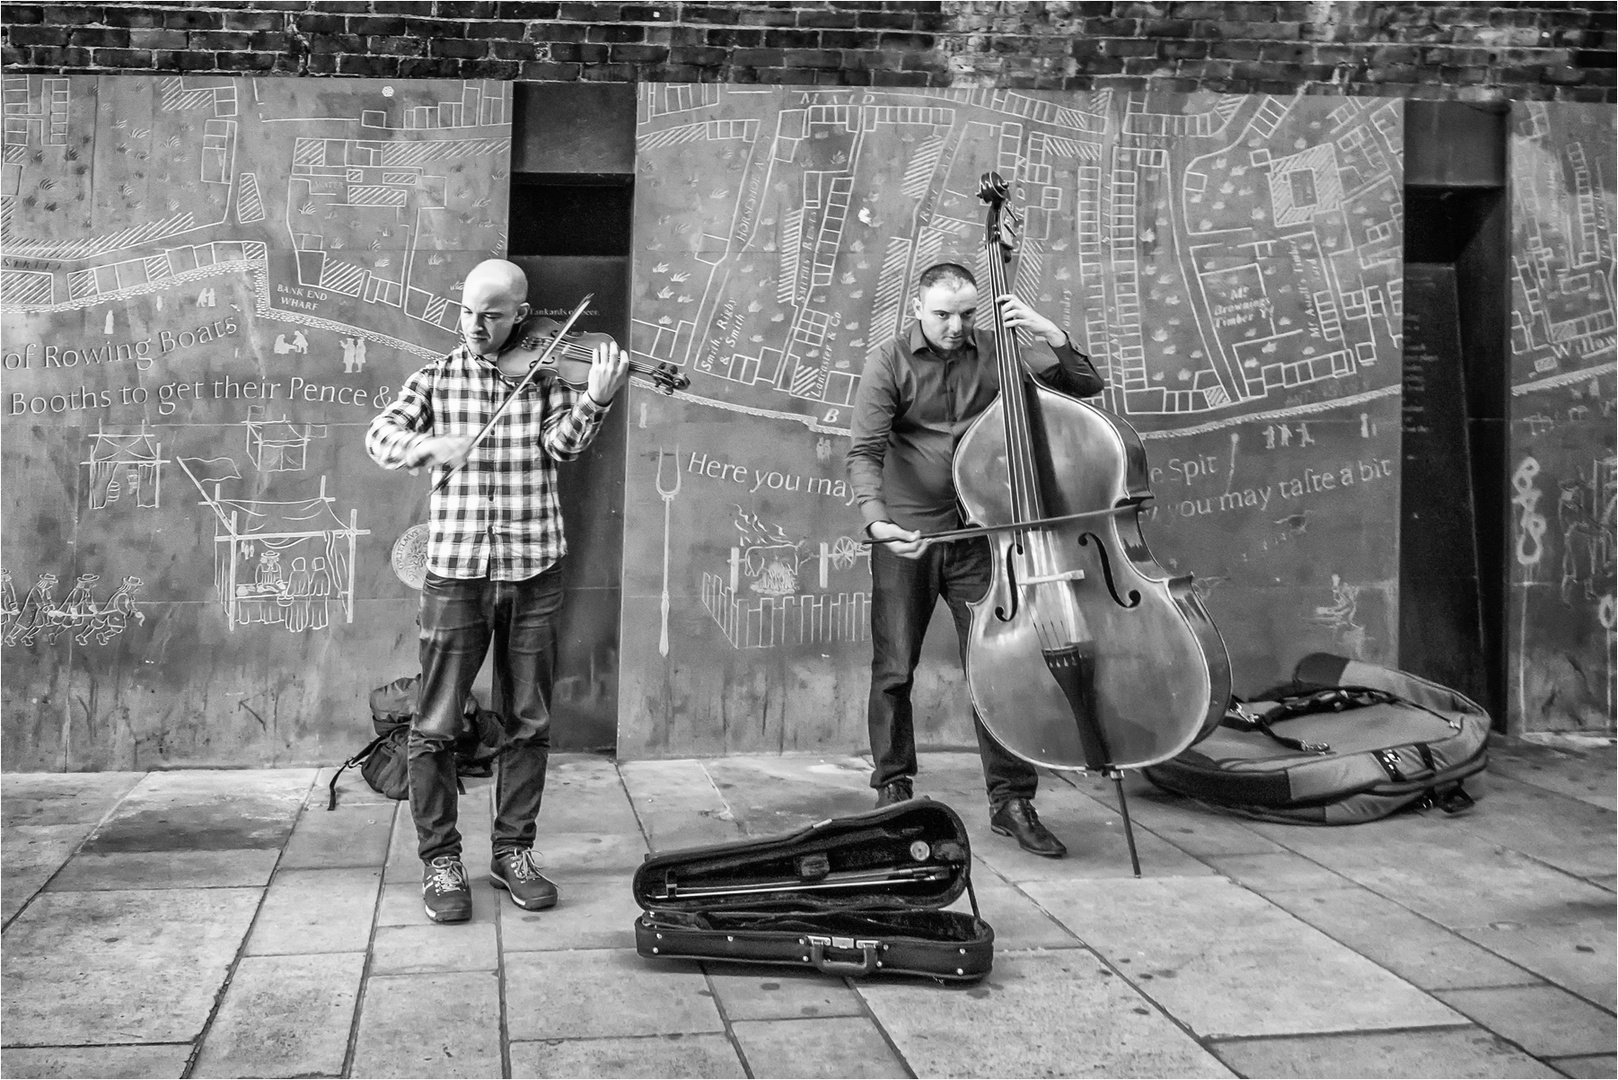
[[1344, 742], [384, 761]]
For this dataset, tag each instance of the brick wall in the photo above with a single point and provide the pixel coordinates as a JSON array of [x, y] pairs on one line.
[[1534, 50]]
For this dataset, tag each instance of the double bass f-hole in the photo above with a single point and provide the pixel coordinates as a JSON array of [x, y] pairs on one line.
[[1106, 572]]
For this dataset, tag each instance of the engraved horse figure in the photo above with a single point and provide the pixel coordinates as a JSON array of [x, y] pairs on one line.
[[79, 607], [114, 615]]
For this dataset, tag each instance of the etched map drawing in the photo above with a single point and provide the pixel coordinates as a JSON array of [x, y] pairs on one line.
[[1563, 318], [226, 176], [1562, 620], [228, 275], [1233, 265], [1219, 257]]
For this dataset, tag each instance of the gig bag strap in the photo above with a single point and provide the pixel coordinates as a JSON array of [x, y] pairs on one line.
[[357, 759], [1241, 716], [1295, 699]]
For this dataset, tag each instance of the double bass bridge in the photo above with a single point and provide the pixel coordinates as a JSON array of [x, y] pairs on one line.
[[1047, 579]]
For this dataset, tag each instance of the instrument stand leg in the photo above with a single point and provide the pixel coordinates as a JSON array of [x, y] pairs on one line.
[[1117, 778]]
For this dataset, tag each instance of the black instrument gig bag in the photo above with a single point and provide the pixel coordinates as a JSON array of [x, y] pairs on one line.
[[859, 895], [1345, 742]]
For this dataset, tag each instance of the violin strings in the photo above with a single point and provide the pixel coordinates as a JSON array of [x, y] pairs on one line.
[[578, 351]]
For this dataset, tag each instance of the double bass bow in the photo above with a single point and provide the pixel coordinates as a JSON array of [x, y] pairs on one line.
[[1084, 653]]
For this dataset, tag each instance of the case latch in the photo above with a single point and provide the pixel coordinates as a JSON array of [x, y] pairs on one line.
[[817, 954]]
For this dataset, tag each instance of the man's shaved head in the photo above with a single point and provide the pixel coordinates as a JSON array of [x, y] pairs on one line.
[[498, 275], [494, 299]]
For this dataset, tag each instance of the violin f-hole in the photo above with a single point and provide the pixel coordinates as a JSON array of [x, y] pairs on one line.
[[1106, 572]]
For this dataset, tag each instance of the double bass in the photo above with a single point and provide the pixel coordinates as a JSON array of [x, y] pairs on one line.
[[1084, 653]]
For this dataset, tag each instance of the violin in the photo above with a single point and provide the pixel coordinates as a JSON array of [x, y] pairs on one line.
[[559, 352], [570, 361], [1084, 653]]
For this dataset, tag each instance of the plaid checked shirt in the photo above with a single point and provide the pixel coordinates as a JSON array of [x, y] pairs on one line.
[[499, 516]]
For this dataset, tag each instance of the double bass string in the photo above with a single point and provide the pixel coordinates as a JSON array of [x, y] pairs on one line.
[[1064, 626]]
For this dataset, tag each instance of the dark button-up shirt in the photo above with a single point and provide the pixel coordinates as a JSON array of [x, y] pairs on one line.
[[499, 516], [912, 408]]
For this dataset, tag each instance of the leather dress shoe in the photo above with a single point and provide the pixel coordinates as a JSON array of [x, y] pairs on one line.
[[897, 791], [1016, 819]]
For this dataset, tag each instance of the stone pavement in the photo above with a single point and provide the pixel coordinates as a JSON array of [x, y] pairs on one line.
[[223, 923]]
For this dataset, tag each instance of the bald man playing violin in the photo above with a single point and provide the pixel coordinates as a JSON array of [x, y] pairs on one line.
[[916, 398], [494, 555]]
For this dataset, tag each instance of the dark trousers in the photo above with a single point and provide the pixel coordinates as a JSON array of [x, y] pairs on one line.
[[460, 617], [904, 593]]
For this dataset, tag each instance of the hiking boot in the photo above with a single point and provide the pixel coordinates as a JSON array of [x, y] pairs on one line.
[[518, 874], [898, 791], [445, 891], [1016, 819]]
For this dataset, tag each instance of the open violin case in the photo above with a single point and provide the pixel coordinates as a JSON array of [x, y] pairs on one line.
[[860, 895]]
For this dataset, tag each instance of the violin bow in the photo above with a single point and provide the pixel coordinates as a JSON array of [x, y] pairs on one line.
[[526, 379], [985, 530]]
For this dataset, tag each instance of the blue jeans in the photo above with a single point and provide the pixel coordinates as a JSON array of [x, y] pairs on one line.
[[904, 593], [459, 619]]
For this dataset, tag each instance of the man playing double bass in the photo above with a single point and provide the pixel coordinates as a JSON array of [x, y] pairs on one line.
[[916, 398]]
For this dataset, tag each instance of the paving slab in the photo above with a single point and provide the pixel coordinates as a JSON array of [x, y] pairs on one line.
[[439, 1025], [593, 911], [1565, 832], [678, 805], [590, 852], [583, 793], [61, 798], [1442, 1054], [316, 911], [119, 967], [1092, 830], [1592, 1065], [284, 1016], [1018, 922], [158, 870], [648, 1055], [423, 946], [599, 993], [1546, 1021], [1501, 885], [354, 834], [1193, 827], [30, 855], [1582, 958], [1226, 962], [352, 790], [755, 993], [71, 1062], [400, 904], [1585, 773], [1035, 1014], [773, 796], [1411, 946], [1276, 872], [204, 810], [831, 1046]]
